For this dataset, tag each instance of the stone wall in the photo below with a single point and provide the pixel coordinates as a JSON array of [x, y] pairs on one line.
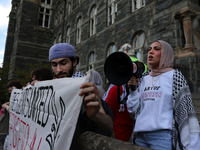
[[166, 20], [158, 20], [31, 43]]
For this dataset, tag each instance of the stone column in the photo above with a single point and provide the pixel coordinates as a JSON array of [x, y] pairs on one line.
[[187, 27], [187, 59]]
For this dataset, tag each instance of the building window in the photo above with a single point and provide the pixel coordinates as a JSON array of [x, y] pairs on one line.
[[56, 21], [44, 13], [59, 38], [68, 35], [137, 4], [91, 61], [69, 8], [111, 49], [78, 31], [61, 16], [93, 21], [138, 44], [112, 11], [54, 42], [78, 66]]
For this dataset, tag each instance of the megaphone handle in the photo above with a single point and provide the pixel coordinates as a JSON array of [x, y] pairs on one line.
[[118, 94]]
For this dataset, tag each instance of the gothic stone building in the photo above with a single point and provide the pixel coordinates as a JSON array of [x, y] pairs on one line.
[[96, 28]]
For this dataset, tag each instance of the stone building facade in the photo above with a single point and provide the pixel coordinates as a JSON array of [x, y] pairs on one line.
[[97, 28]]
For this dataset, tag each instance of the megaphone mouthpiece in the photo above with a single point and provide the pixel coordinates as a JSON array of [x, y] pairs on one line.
[[118, 68]]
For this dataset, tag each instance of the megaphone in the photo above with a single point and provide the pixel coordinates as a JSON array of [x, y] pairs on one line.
[[118, 68]]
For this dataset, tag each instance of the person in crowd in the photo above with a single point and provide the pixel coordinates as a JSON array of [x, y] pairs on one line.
[[97, 80], [123, 122], [41, 74], [95, 116], [1, 103], [162, 104], [14, 84], [4, 121]]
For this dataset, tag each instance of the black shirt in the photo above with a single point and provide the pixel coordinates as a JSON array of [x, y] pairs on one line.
[[85, 124]]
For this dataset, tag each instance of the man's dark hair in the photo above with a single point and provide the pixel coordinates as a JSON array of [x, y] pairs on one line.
[[42, 73], [15, 83], [73, 58]]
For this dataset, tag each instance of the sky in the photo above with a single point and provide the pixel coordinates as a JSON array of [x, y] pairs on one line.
[[5, 7]]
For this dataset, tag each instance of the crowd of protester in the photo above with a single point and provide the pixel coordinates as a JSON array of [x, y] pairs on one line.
[[158, 114]]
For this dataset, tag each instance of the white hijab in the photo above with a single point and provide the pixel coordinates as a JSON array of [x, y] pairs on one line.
[[97, 80], [166, 59]]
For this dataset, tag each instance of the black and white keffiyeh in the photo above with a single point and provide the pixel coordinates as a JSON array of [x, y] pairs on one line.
[[78, 74], [185, 121]]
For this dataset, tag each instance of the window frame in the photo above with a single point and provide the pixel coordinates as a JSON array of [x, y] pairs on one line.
[[111, 49], [78, 30], [59, 38], [91, 61], [43, 14], [68, 34], [137, 4], [54, 41], [93, 20], [138, 46], [69, 8], [112, 12]]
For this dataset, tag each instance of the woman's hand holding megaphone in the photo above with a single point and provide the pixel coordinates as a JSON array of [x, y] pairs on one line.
[[133, 83]]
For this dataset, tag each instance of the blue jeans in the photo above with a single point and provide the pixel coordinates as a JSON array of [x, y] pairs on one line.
[[156, 140]]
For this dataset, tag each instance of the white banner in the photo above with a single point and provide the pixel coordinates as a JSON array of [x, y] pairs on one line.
[[44, 116]]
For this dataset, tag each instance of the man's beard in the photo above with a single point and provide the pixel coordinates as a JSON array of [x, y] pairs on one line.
[[65, 74]]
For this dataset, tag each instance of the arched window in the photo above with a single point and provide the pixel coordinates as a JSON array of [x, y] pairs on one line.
[[69, 8], [45, 13], [93, 21], [54, 42], [138, 44], [68, 35], [112, 11], [78, 66], [61, 16], [111, 49], [91, 60], [78, 31], [137, 4], [59, 38], [56, 21]]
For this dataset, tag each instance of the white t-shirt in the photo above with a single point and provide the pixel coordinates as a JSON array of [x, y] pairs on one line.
[[155, 94]]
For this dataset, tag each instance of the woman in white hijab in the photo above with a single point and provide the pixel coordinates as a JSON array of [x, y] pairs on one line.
[[162, 105]]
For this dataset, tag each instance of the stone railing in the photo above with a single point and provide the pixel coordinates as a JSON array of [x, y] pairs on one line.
[[93, 141]]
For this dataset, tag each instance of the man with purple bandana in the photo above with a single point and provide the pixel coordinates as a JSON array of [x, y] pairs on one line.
[[95, 115]]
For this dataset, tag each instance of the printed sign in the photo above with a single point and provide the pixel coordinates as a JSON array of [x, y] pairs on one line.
[[44, 116]]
